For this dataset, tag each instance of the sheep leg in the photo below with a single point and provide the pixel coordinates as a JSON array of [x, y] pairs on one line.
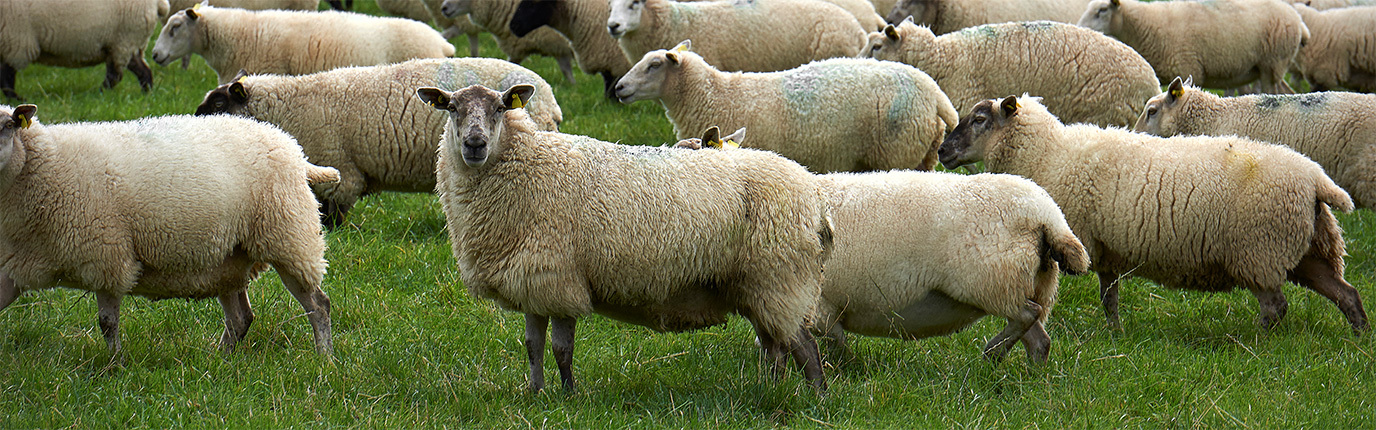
[[1017, 327], [7, 77], [808, 357], [566, 66], [535, 349], [773, 356], [836, 345], [141, 71], [314, 301], [562, 333], [107, 312], [113, 74], [608, 85], [1108, 295], [1272, 305], [332, 213], [1316, 274], [1037, 343], [9, 291], [238, 317], [473, 44]]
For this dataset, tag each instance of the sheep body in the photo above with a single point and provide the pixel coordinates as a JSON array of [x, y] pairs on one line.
[[750, 36], [77, 33], [166, 207], [946, 16], [1201, 213], [393, 153], [293, 42], [252, 4], [1084, 75], [841, 114], [1221, 43], [495, 17], [1341, 51]]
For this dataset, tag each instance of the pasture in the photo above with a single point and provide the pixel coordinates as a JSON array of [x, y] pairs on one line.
[[413, 349]]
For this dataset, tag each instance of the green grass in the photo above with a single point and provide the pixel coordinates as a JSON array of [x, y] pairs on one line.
[[414, 350]]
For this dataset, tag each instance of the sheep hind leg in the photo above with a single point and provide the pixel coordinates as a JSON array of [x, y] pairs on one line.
[[1316, 274], [298, 281], [107, 312], [536, 326], [114, 72], [1272, 304], [562, 333], [566, 66], [1017, 328], [1108, 295], [141, 71], [238, 318], [8, 74], [9, 291], [837, 348], [1037, 343]]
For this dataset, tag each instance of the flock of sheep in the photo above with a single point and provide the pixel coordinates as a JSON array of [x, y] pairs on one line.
[[823, 220]]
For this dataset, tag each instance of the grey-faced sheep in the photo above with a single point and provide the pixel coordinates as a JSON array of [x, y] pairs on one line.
[[395, 152], [293, 42], [1221, 43], [749, 36], [667, 238], [1341, 51], [168, 207], [945, 16], [1085, 76], [842, 114], [77, 33], [1200, 213], [495, 16], [1336, 130]]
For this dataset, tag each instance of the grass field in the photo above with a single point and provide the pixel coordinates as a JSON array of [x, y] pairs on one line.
[[414, 350]]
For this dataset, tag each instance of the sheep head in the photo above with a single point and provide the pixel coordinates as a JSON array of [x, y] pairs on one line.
[[1160, 115], [476, 119], [178, 37], [645, 80], [896, 42], [1103, 16], [456, 8], [229, 98], [11, 148], [979, 130], [712, 138], [625, 16]]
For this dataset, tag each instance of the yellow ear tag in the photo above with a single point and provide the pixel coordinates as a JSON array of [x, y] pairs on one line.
[[516, 102], [1177, 93], [680, 48], [197, 6], [25, 122], [730, 144]]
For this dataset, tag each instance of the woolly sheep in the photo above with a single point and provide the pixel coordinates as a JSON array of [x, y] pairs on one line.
[[251, 4], [293, 42], [1332, 4], [1201, 213], [1221, 43], [1084, 75], [1341, 51], [946, 16], [395, 152], [429, 11], [843, 114], [168, 207], [666, 238], [495, 16], [77, 33], [1336, 130], [749, 36]]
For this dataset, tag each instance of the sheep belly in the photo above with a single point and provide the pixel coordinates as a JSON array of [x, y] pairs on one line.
[[232, 274], [689, 309], [935, 314]]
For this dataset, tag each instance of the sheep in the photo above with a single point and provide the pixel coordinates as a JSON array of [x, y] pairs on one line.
[[583, 23], [712, 138], [946, 16], [1341, 51], [429, 11], [166, 207], [308, 5], [1200, 213], [495, 16], [862, 10], [1332, 4], [1334, 129], [293, 42], [1086, 76], [77, 33], [392, 153], [748, 36], [843, 114], [667, 238], [1221, 43]]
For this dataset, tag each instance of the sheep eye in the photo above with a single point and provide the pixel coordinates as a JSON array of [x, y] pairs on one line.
[[1151, 111], [654, 64], [979, 120], [9, 124], [876, 47], [1103, 9]]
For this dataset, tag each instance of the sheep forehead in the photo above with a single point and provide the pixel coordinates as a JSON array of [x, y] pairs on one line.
[[476, 98]]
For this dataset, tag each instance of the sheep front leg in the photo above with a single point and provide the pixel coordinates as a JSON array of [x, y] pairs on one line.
[[1037, 343], [114, 72], [609, 85], [1108, 294], [9, 291], [1272, 305], [566, 66], [562, 332], [808, 357], [107, 311], [141, 71], [773, 356], [535, 349]]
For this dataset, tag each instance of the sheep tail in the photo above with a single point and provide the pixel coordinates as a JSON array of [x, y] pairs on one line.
[[1061, 246], [826, 235], [1333, 195], [1304, 34], [321, 175], [948, 114]]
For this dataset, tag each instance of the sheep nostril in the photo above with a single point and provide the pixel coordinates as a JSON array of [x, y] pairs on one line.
[[613, 27]]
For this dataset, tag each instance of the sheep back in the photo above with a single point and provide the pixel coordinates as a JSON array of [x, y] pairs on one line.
[[946, 16], [1341, 51]]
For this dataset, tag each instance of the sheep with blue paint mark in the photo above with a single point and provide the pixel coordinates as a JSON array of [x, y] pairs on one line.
[[336, 117], [836, 115]]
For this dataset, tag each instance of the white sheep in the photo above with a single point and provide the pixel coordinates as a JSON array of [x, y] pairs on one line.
[[1200, 213], [945, 16], [1341, 51], [495, 16], [395, 152], [77, 33], [167, 207], [843, 114], [560, 226], [1084, 75], [293, 42], [250, 4], [1221, 43], [1336, 130], [1332, 4], [430, 11], [749, 36]]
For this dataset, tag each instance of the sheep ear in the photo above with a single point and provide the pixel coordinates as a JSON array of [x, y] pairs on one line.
[[516, 97], [733, 140], [1176, 89], [1115, 3], [1009, 106], [237, 92], [243, 73], [712, 137], [23, 115], [891, 32], [684, 46], [672, 56], [434, 97]]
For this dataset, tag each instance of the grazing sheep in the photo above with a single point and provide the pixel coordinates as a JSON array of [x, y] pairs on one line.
[[560, 226], [391, 153], [167, 207], [495, 16], [77, 33], [293, 42], [1341, 51], [1084, 75], [748, 36], [843, 114], [429, 11], [1336, 130], [1201, 213], [945, 16], [1221, 43]]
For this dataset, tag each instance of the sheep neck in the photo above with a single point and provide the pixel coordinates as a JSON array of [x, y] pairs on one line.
[[1032, 147], [1143, 35], [1202, 112], [217, 43], [697, 92]]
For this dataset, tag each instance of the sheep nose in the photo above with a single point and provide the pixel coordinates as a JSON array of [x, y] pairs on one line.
[[620, 87], [475, 141], [613, 27]]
